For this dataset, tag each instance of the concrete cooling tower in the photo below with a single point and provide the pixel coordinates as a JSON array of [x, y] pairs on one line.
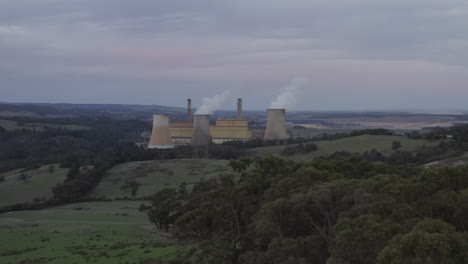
[[201, 134], [276, 128], [160, 137]]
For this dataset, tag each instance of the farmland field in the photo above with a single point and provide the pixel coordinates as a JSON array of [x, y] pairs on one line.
[[99, 232], [20, 186], [156, 175], [358, 144]]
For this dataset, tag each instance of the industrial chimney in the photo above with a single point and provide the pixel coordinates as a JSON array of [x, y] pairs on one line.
[[276, 128], [160, 137], [189, 109], [201, 134], [239, 108]]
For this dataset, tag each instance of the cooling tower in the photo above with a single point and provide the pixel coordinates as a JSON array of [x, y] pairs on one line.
[[201, 134], [160, 137], [275, 125]]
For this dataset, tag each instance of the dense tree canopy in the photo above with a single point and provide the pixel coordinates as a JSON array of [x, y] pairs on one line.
[[333, 210]]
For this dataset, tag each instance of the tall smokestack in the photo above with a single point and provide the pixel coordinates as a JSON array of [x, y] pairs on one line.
[[160, 137], [201, 134], [189, 109], [239, 108], [276, 128]]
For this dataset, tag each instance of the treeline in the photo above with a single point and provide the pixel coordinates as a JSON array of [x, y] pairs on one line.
[[301, 148], [455, 143], [333, 210], [423, 155], [458, 133], [30, 148], [80, 182], [258, 142], [86, 171], [108, 142]]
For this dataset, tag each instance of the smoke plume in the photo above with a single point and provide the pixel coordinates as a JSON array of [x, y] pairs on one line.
[[287, 99], [212, 104]]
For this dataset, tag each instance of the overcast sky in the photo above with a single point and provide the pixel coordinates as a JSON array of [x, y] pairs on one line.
[[356, 54]]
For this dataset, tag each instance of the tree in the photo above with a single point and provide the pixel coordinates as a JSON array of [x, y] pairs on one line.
[[164, 208], [51, 168], [24, 177], [131, 186], [430, 241], [396, 145], [358, 241]]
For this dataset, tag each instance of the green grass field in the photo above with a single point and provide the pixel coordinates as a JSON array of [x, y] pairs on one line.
[[39, 185], [94, 232], [358, 144], [156, 175]]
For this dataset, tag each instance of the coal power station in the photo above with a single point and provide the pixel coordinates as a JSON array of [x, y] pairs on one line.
[[223, 130], [197, 130], [275, 128]]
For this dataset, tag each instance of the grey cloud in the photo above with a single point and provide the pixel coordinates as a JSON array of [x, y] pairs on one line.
[[264, 42]]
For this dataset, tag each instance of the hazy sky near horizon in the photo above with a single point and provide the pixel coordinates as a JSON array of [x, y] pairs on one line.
[[355, 54]]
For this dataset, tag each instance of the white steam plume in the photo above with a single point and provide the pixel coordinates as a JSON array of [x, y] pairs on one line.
[[287, 99], [212, 104]]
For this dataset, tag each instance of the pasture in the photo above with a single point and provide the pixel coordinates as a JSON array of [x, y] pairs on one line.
[[21, 186], [156, 175], [358, 144], [92, 232]]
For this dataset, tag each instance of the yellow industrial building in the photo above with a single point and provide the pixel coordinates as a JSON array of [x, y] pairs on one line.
[[224, 129], [181, 132], [230, 129]]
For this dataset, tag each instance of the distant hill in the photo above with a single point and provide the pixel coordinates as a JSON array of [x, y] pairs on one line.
[[118, 111]]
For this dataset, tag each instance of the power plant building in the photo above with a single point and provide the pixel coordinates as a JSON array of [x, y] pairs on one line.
[[230, 129], [223, 130], [181, 132]]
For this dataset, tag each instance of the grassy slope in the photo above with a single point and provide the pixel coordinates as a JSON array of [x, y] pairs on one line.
[[357, 144], [455, 161], [156, 175], [13, 191], [100, 232]]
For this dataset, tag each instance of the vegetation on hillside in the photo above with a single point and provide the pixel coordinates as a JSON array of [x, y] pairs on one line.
[[339, 209], [342, 208], [329, 210]]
